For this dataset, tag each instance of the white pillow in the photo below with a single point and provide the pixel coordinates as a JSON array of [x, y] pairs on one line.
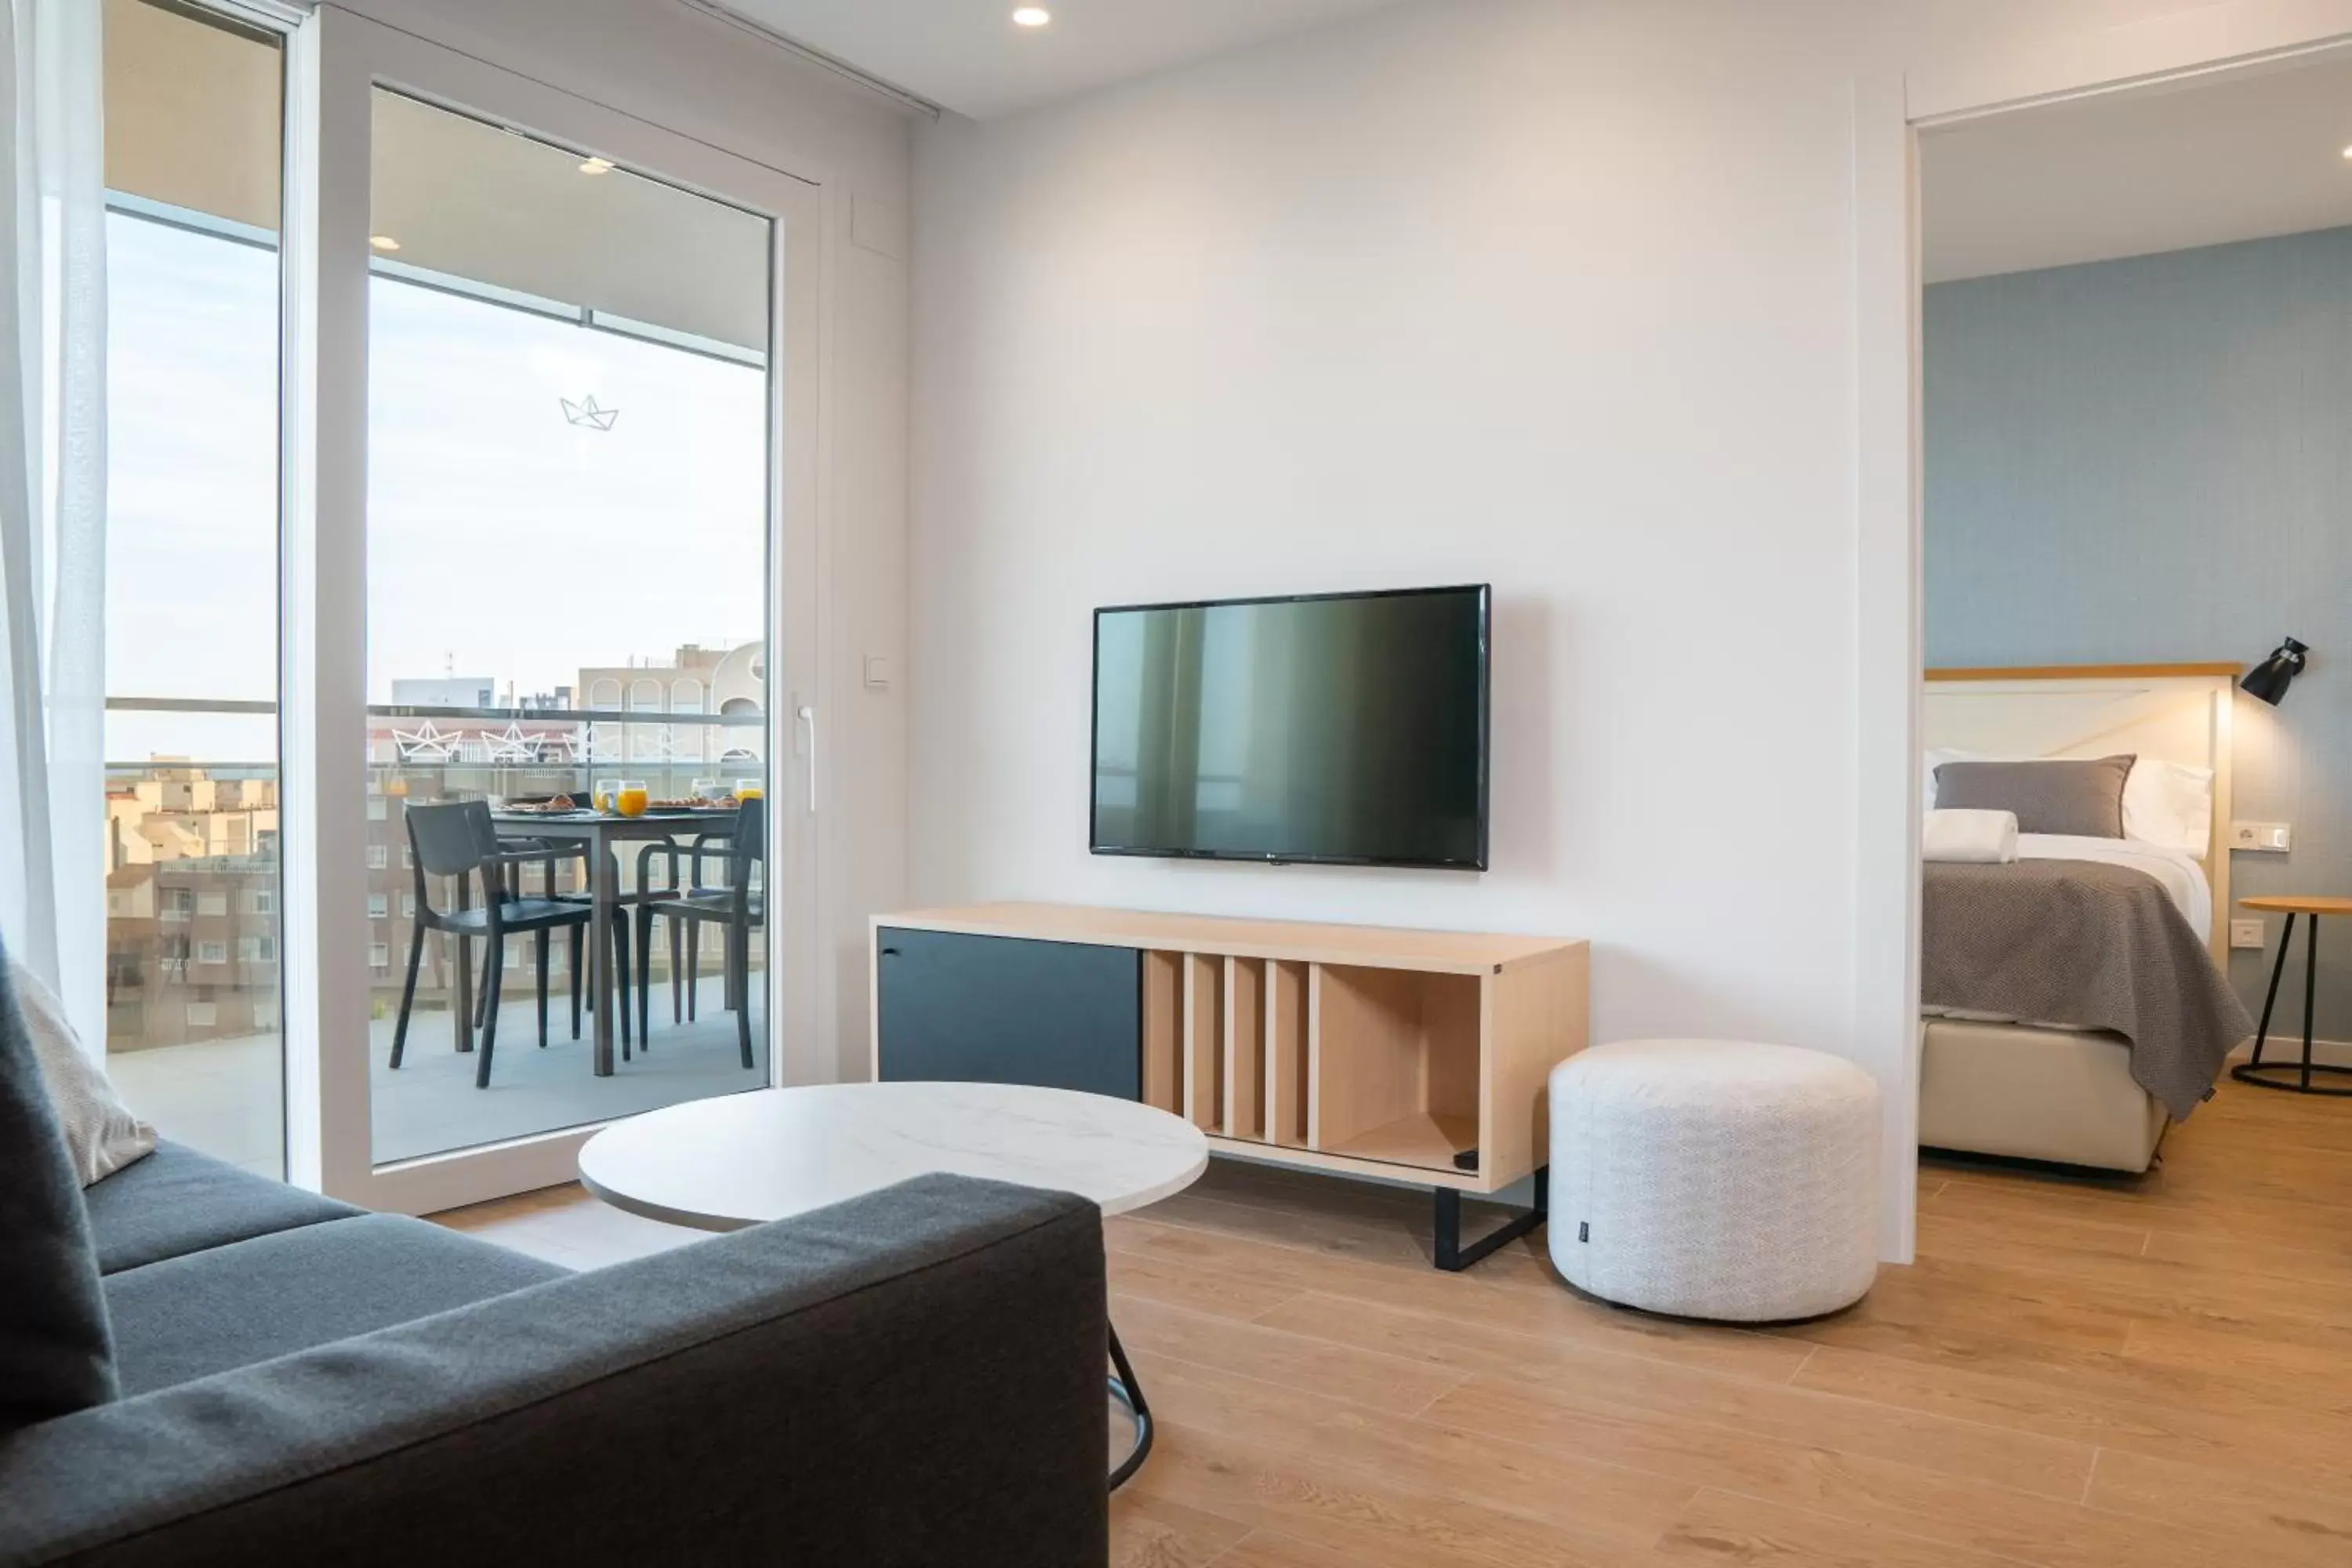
[[2166, 804], [101, 1135], [2170, 804]]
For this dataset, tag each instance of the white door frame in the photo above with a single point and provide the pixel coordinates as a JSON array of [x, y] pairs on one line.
[[335, 60], [1890, 109]]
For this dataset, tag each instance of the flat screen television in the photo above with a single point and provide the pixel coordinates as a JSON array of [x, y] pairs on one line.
[[1341, 729]]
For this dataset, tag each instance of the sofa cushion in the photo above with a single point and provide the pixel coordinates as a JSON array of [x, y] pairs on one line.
[[56, 1356], [203, 1313], [101, 1134], [177, 1201]]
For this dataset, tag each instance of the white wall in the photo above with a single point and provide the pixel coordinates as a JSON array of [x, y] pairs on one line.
[[686, 73], [1561, 296]]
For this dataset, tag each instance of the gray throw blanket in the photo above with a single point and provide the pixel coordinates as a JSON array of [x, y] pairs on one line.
[[2086, 944]]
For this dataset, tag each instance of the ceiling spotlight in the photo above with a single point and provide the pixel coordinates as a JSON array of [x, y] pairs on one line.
[[1037, 17], [2347, 152], [595, 166], [384, 242]]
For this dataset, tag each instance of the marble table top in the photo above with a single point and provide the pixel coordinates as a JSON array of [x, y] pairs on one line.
[[743, 1158]]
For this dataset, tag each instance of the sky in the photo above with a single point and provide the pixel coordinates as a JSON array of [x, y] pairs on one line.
[[503, 541]]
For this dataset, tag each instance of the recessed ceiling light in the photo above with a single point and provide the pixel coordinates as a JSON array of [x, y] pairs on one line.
[[1032, 16], [384, 242], [2347, 152], [596, 165]]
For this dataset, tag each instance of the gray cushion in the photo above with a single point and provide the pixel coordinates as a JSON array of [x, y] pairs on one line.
[[101, 1134], [2049, 795], [177, 1201], [189, 1316], [56, 1354]]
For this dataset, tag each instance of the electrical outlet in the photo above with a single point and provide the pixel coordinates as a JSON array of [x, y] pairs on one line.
[[2269, 837], [2246, 933]]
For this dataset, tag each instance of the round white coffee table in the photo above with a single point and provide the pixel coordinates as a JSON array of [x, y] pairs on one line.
[[745, 1159]]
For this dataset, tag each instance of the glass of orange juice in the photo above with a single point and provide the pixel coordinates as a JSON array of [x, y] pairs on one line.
[[747, 789], [600, 795], [629, 797]]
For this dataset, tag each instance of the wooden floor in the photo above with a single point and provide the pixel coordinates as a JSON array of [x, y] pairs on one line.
[[2154, 1373]]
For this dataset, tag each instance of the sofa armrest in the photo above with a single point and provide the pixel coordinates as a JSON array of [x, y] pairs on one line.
[[915, 1376]]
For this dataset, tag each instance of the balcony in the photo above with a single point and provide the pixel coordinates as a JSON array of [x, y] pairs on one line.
[[194, 995]]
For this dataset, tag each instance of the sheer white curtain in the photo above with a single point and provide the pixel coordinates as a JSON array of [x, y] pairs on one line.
[[53, 502]]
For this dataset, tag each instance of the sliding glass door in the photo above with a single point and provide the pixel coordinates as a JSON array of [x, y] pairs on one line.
[[547, 619], [193, 148], [567, 598]]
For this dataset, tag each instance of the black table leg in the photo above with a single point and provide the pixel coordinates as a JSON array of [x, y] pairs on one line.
[[2310, 982], [1129, 1392], [603, 871], [2255, 1070], [2270, 997], [1453, 1257]]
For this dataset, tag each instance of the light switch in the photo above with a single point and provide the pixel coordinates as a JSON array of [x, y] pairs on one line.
[[2246, 933], [2272, 838], [877, 671]]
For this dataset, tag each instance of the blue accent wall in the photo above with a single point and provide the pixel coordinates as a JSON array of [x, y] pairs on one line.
[[2151, 461]]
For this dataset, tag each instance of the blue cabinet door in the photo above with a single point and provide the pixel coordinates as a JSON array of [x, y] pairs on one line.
[[993, 1009]]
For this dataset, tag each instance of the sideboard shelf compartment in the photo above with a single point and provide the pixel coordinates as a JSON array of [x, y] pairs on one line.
[[1361, 1049], [1246, 1048]]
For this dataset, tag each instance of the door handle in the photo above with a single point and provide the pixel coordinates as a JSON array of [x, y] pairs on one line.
[[808, 717]]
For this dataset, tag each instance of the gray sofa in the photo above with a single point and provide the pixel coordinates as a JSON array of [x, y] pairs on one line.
[[916, 1378]]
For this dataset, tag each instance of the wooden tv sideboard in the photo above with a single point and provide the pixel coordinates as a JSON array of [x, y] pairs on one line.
[[1415, 1055]]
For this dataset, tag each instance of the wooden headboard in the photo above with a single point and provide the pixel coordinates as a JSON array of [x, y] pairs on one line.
[[2179, 712]]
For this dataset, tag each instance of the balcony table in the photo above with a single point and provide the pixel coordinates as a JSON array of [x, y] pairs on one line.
[[602, 832]]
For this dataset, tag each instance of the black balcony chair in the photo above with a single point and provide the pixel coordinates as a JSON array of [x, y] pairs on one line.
[[670, 854], [739, 908], [546, 853], [458, 840]]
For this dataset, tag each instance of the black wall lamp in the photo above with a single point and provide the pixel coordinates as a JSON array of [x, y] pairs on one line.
[[2270, 679]]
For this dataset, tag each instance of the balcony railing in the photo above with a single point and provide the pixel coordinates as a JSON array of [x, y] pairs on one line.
[[162, 988], [529, 736]]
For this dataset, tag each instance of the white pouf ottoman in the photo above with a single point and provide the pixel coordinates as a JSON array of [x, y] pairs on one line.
[[1715, 1178]]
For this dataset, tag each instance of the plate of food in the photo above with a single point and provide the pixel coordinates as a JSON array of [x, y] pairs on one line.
[[547, 805]]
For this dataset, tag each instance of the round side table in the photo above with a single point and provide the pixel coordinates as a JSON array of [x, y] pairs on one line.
[[743, 1158], [2259, 1072]]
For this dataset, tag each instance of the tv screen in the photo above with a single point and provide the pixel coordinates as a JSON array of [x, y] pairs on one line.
[[1347, 727]]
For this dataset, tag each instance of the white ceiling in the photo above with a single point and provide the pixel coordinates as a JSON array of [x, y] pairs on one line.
[[967, 55], [2129, 174], [193, 122]]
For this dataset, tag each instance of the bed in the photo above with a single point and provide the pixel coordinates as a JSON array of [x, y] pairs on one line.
[[2073, 1002]]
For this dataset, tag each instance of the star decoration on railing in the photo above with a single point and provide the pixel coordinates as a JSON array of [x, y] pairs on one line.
[[580, 746]]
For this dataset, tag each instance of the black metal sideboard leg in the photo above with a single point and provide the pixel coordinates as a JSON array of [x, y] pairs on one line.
[[1129, 1392], [1453, 1257]]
